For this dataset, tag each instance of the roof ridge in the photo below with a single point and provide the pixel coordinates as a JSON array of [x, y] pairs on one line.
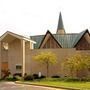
[[17, 34], [68, 34], [37, 35], [56, 34]]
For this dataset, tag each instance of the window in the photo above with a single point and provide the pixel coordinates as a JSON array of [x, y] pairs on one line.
[[5, 45], [18, 66], [31, 45]]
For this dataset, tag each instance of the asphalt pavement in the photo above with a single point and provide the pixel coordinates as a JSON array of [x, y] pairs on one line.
[[14, 86]]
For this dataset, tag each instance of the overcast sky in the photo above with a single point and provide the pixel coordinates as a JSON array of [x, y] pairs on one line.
[[32, 17]]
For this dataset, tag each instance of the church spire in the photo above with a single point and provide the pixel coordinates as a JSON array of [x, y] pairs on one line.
[[60, 28]]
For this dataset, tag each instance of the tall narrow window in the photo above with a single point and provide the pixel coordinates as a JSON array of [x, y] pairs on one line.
[[31, 45]]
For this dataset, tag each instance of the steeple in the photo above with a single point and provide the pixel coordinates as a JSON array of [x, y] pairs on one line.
[[60, 28]]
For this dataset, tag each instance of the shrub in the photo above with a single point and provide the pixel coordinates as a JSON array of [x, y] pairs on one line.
[[18, 78], [85, 79], [17, 74], [35, 76], [28, 77], [6, 73], [55, 76], [42, 77], [11, 78], [0, 79]]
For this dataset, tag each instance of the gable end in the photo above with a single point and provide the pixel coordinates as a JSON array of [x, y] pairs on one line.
[[49, 36]]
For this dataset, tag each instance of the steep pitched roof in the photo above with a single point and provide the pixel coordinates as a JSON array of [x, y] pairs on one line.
[[65, 40], [60, 26], [79, 37], [48, 32], [60, 22]]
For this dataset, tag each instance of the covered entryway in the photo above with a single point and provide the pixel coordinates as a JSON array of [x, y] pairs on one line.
[[12, 49]]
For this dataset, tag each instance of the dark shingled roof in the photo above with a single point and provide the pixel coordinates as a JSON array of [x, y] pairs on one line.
[[65, 40]]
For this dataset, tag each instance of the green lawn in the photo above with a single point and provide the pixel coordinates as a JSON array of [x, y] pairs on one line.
[[80, 85]]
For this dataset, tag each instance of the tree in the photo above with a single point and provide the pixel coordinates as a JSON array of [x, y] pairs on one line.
[[77, 63], [46, 58]]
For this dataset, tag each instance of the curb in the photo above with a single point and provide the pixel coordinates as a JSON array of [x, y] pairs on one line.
[[26, 83]]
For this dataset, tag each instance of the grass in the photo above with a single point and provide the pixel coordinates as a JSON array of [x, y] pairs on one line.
[[79, 85]]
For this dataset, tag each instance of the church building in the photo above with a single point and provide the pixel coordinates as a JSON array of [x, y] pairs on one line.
[[17, 51]]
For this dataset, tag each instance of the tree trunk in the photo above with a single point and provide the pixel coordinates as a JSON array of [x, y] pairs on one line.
[[47, 67], [71, 71]]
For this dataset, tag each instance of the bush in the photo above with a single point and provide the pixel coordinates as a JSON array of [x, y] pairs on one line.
[[6, 73], [11, 78], [18, 78], [17, 74], [42, 77], [85, 79], [35, 76], [55, 76], [28, 77]]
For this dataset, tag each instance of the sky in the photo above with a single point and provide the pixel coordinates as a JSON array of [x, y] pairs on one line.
[[35, 17]]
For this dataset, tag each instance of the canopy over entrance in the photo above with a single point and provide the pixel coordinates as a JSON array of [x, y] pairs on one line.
[[9, 36]]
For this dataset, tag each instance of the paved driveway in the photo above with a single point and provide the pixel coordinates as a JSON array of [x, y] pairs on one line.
[[13, 86]]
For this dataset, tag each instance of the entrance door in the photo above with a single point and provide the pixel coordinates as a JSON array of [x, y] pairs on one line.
[[4, 65], [4, 69]]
